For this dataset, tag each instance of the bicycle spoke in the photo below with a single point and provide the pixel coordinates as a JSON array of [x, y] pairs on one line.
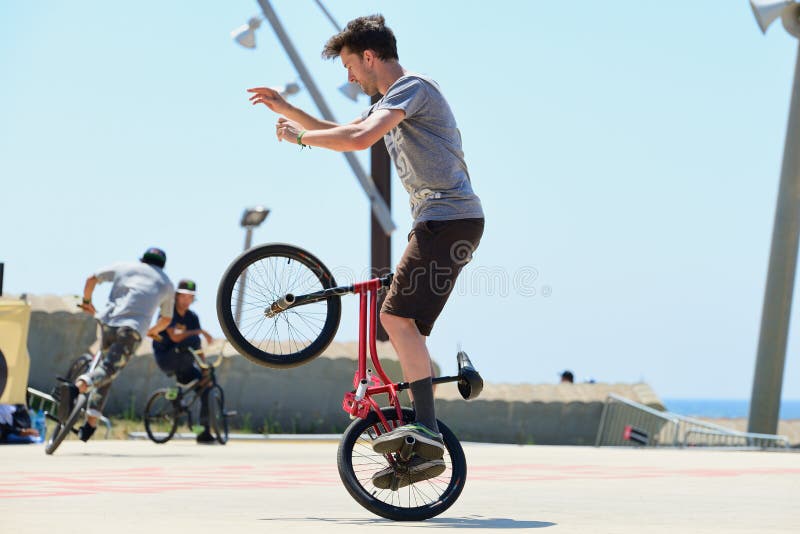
[[262, 283]]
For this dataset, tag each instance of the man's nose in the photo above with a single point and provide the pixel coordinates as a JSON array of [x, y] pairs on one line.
[[351, 78]]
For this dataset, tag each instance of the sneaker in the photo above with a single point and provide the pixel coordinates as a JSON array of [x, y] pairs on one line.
[[85, 432], [416, 470], [67, 393], [429, 444], [205, 437]]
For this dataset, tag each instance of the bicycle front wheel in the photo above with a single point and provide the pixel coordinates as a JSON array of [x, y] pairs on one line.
[[216, 414], [257, 279], [357, 464], [160, 417], [62, 430]]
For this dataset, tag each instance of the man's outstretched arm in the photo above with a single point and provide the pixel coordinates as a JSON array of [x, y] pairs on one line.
[[346, 138], [274, 101]]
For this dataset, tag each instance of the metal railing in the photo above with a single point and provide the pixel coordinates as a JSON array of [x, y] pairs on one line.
[[628, 423], [39, 400]]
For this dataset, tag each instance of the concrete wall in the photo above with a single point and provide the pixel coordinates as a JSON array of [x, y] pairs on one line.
[[308, 399]]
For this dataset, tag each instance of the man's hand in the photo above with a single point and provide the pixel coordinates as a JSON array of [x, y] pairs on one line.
[[208, 337], [88, 307], [287, 130], [270, 98]]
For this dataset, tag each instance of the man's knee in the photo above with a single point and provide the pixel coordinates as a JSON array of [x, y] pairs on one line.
[[393, 322]]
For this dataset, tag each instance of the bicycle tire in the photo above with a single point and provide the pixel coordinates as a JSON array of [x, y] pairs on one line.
[[216, 414], [257, 278], [158, 411], [62, 430], [357, 462]]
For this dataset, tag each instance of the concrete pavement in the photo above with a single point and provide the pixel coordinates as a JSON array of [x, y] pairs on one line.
[[279, 486]]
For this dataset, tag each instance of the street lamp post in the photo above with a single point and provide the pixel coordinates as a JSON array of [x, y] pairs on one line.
[[378, 187], [245, 35], [251, 218], [771, 357]]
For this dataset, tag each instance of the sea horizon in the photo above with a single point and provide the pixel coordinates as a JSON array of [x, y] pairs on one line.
[[726, 408]]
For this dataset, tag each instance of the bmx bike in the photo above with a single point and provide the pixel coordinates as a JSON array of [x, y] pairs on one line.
[[84, 364], [280, 307], [168, 408]]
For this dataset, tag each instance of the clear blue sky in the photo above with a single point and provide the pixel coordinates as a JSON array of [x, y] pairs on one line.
[[627, 153]]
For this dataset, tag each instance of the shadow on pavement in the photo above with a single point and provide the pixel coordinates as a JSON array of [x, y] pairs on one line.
[[436, 522]]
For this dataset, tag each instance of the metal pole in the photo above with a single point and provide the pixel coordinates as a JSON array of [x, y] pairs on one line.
[[330, 17], [771, 358], [381, 242], [248, 241], [2, 265], [379, 207]]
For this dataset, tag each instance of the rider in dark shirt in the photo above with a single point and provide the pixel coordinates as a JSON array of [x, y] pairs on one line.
[[171, 348]]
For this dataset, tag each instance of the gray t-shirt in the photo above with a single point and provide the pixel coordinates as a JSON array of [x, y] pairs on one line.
[[426, 150], [138, 290]]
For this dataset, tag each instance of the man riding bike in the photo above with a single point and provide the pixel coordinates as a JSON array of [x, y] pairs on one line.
[[138, 289], [171, 349]]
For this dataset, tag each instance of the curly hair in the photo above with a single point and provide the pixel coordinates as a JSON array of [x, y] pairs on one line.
[[364, 33]]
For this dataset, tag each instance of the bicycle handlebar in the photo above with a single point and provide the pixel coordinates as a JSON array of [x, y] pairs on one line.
[[206, 364]]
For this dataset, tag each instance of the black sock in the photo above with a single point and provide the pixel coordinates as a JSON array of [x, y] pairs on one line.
[[422, 390]]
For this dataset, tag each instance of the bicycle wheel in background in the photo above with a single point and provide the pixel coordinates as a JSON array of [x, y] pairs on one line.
[[160, 417], [217, 419], [62, 430], [357, 463], [257, 279]]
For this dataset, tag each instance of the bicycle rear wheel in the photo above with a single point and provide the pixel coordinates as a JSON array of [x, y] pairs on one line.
[[160, 417], [258, 278], [218, 421], [357, 463], [79, 367], [62, 430]]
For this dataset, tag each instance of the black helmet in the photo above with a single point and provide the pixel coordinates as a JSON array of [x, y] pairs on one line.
[[154, 256]]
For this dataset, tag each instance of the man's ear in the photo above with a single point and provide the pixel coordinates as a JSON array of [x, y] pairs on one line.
[[369, 56]]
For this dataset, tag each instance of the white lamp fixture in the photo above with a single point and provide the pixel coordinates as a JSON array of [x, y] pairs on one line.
[[291, 88], [351, 90], [245, 35], [252, 217], [766, 11]]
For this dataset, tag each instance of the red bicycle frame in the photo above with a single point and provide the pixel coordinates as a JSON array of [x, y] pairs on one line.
[[366, 384]]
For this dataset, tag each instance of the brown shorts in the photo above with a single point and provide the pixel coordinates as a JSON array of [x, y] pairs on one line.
[[427, 272]]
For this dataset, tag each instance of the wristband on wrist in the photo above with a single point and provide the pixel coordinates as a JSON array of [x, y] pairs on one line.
[[87, 301], [300, 139]]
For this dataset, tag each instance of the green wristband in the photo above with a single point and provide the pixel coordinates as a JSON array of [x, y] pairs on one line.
[[300, 138]]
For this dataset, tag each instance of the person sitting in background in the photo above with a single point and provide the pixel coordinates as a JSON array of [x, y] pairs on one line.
[[567, 377], [15, 425], [171, 348]]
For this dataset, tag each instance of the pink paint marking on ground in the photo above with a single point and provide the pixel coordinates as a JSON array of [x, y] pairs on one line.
[[160, 480]]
